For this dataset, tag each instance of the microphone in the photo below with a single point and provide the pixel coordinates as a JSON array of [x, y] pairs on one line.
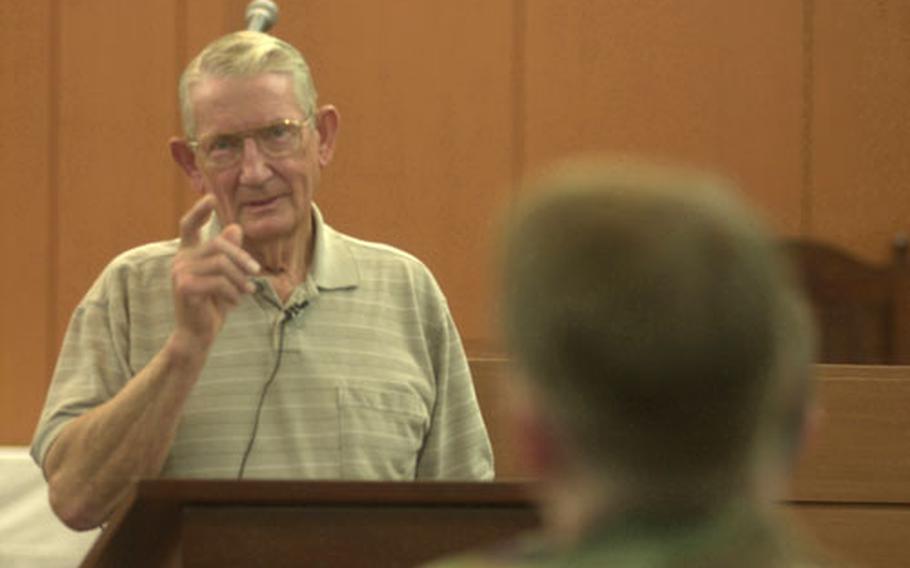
[[294, 309], [261, 15]]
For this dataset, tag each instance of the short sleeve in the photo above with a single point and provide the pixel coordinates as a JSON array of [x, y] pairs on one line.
[[92, 365], [457, 446]]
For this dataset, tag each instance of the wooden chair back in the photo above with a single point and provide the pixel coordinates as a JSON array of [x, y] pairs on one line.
[[862, 310]]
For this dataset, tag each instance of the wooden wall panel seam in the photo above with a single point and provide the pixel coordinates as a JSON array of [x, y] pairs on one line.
[[53, 182], [519, 61], [181, 32], [808, 112]]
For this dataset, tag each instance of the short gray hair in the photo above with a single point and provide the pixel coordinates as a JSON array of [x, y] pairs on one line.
[[246, 53], [659, 319]]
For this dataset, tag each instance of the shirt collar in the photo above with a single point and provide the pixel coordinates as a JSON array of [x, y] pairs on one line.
[[333, 266]]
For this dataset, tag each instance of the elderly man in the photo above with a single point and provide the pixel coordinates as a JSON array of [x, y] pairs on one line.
[[664, 355], [261, 343]]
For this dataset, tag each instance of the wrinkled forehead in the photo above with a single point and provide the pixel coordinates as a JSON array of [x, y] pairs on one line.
[[234, 103]]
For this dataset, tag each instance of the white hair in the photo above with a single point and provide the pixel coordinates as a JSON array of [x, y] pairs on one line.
[[246, 53]]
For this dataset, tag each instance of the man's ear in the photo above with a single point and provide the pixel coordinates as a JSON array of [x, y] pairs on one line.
[[327, 122], [808, 432], [186, 159], [541, 450]]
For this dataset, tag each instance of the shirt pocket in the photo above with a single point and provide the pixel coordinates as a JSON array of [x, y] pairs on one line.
[[382, 432]]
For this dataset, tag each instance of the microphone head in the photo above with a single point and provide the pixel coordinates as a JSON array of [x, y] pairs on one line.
[[261, 15]]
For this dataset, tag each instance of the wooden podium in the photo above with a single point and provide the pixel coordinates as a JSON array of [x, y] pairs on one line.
[[221, 524]]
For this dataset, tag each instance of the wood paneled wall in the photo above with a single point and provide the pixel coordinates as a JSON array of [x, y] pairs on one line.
[[712, 82], [859, 138], [444, 106], [27, 223]]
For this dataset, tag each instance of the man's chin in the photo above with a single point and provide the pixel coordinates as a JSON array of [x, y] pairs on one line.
[[262, 230]]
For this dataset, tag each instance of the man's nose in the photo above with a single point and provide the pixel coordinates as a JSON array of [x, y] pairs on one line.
[[253, 165]]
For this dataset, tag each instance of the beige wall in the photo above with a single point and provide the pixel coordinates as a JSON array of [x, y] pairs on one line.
[[443, 106]]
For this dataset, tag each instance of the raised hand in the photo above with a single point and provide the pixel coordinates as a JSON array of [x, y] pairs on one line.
[[208, 278]]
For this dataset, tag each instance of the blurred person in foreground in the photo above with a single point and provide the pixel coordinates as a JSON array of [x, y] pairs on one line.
[[663, 354], [262, 343]]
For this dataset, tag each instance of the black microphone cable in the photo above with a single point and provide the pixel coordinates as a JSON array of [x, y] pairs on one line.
[[289, 314]]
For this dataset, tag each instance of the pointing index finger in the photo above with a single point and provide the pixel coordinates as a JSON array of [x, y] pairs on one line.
[[194, 219]]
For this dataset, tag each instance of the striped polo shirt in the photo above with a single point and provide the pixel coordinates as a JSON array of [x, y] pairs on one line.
[[371, 381]]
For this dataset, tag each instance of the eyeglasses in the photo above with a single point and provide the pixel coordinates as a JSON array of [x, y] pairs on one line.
[[275, 140]]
